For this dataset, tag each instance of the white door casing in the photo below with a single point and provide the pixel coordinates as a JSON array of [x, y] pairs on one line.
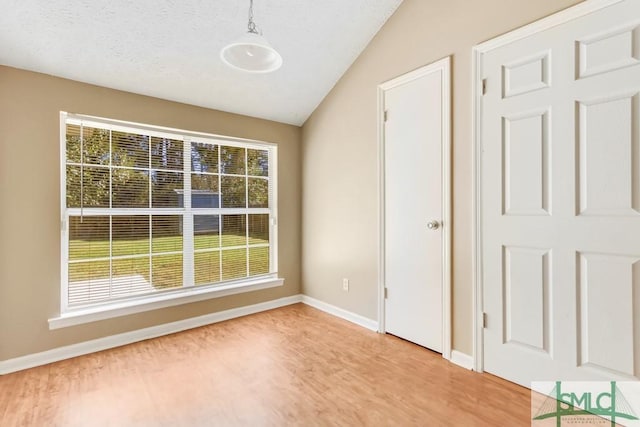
[[559, 198], [415, 190]]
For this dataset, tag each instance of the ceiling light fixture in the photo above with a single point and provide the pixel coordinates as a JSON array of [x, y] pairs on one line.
[[252, 52]]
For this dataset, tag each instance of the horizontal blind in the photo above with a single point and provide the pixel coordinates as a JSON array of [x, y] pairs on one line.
[[141, 218]]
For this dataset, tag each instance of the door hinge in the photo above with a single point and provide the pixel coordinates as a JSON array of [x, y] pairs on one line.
[[386, 293], [484, 86], [386, 115], [484, 320]]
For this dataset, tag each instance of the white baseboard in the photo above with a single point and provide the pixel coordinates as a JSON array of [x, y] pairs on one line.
[[462, 359], [74, 350], [92, 346], [339, 312]]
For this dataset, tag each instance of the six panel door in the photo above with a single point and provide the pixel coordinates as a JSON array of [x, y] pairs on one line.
[[561, 201]]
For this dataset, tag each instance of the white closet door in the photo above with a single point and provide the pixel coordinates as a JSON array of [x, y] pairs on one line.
[[561, 201]]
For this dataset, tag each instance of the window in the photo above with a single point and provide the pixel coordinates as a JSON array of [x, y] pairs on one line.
[[150, 211]]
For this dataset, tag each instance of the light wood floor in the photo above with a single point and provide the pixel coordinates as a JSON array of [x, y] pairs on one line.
[[290, 366]]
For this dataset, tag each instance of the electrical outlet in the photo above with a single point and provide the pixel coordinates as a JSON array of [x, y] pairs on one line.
[[345, 285]]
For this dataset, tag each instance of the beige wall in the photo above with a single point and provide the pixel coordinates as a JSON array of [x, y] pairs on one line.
[[30, 198], [340, 150]]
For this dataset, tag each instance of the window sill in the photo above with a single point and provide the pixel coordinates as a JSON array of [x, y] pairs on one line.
[[153, 302]]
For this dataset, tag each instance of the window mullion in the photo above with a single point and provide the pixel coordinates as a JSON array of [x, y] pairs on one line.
[[110, 256], [65, 258], [273, 209], [188, 257], [110, 216], [64, 215], [220, 215], [246, 204], [150, 189]]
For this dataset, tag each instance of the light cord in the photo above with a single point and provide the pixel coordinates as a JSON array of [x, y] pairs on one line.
[[253, 28]]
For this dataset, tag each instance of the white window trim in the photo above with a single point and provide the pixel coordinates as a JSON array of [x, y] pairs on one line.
[[137, 304], [155, 301]]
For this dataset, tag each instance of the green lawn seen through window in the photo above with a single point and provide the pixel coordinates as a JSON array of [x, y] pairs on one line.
[[166, 267], [89, 249]]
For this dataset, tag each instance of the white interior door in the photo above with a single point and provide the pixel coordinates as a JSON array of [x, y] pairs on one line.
[[561, 201], [414, 133]]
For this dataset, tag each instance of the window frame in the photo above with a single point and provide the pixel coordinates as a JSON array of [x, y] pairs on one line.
[[188, 292]]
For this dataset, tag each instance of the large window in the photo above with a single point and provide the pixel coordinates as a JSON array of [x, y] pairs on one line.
[[149, 210]]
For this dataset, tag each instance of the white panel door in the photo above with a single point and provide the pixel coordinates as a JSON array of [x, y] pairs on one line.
[[413, 144], [561, 201]]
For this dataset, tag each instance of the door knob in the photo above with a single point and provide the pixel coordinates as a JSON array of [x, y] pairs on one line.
[[433, 225]]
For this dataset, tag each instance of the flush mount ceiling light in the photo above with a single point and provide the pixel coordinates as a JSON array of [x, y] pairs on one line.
[[252, 52]]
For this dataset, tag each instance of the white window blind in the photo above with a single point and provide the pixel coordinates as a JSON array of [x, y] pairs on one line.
[[148, 210]]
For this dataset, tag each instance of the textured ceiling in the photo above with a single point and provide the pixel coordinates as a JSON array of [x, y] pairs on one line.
[[170, 48]]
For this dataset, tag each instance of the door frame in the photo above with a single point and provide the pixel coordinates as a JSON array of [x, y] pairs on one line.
[[443, 65], [477, 89]]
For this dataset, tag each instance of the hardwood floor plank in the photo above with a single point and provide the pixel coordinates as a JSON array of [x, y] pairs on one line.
[[290, 366]]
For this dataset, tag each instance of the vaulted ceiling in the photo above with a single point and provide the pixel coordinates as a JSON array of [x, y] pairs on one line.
[[170, 48]]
